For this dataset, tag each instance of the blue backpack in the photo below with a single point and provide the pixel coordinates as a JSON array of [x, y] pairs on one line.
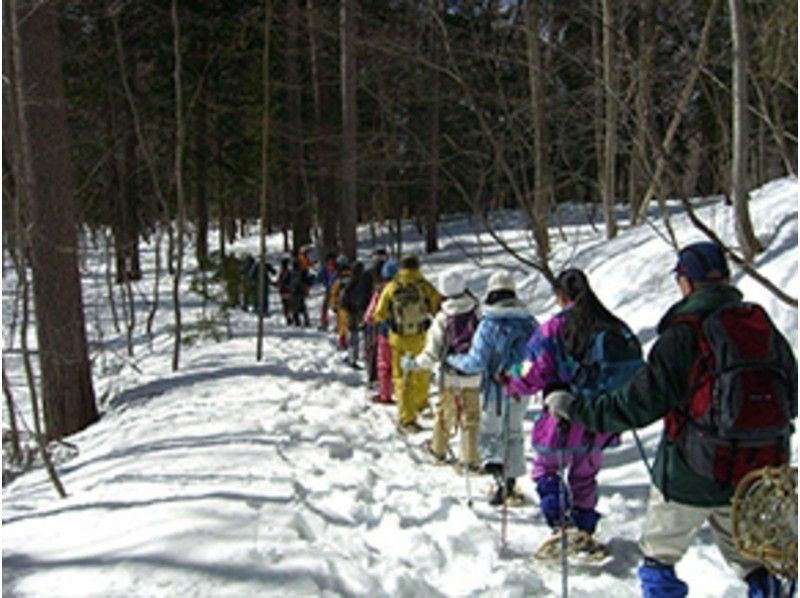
[[610, 360]]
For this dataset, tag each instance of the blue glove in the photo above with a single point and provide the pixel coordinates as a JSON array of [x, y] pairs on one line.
[[409, 364]]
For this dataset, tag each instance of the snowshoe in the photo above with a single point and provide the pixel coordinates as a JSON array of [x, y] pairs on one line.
[[380, 400], [582, 548]]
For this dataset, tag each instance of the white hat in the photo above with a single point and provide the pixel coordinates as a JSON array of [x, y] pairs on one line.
[[452, 284], [501, 281]]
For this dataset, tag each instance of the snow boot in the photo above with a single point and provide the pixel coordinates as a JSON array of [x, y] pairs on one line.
[[659, 580], [502, 491], [762, 584], [549, 488], [585, 519]]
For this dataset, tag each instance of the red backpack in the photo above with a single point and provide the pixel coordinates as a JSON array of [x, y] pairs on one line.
[[743, 395]]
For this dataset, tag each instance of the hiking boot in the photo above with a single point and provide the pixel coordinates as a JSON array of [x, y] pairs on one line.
[[410, 428]]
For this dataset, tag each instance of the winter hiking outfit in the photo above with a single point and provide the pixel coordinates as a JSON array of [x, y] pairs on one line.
[[250, 298], [299, 283], [498, 344], [355, 300], [407, 303], [343, 276], [451, 333], [325, 277], [725, 382], [383, 351], [550, 363], [375, 278]]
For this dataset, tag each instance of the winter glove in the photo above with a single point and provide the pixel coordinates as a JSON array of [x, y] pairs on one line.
[[558, 403], [409, 364]]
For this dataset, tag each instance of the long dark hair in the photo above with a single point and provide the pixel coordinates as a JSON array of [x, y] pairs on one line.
[[588, 315]]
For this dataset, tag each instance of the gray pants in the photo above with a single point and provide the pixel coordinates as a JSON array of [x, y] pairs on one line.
[[498, 444], [670, 528]]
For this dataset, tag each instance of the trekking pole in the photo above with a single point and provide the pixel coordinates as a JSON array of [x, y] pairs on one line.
[[459, 418], [504, 481], [562, 507]]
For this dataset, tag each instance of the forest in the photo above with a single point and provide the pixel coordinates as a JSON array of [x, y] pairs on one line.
[[153, 123]]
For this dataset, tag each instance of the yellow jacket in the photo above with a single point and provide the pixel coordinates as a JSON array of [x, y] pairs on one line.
[[383, 309]]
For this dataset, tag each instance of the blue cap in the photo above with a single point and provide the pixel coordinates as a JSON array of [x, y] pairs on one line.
[[702, 262], [389, 269]]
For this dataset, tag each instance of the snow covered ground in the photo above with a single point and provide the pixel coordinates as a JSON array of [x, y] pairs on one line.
[[233, 477]]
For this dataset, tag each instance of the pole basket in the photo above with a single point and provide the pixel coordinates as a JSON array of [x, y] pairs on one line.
[[764, 518]]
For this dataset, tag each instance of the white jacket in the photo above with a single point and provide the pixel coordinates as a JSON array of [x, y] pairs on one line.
[[435, 350]]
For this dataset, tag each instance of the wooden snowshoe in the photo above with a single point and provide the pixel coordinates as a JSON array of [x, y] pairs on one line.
[[582, 548]]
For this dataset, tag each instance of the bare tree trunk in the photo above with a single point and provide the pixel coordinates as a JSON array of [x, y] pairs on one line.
[[678, 113], [645, 135], [349, 208], [741, 145], [432, 208], [16, 449], [46, 177], [327, 202], [181, 210], [542, 191], [201, 195], [109, 284], [608, 178], [262, 243], [297, 198]]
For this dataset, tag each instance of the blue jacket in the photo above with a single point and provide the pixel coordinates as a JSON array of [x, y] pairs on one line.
[[499, 343]]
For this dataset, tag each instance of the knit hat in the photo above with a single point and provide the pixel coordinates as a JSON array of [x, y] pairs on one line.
[[389, 269], [702, 262], [501, 281], [452, 284]]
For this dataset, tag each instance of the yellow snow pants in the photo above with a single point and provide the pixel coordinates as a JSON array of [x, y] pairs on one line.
[[410, 388]]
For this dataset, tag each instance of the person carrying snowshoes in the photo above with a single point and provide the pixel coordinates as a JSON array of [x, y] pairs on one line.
[[451, 333], [725, 381], [407, 304], [498, 344], [383, 348], [561, 354]]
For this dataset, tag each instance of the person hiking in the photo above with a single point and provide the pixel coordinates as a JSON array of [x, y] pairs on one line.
[[374, 280], [283, 289], [383, 350], [451, 333], [252, 283], [498, 344], [554, 358], [325, 277], [407, 304], [725, 382], [343, 276], [355, 300], [299, 283]]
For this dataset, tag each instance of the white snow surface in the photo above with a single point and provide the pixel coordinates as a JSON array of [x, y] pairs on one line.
[[233, 477]]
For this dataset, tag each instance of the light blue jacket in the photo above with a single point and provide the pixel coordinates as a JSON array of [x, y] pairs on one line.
[[499, 343]]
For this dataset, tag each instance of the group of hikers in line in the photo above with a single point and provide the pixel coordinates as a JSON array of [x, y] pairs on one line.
[[493, 355]]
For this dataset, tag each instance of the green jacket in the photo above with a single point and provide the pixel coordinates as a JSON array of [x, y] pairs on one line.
[[658, 388]]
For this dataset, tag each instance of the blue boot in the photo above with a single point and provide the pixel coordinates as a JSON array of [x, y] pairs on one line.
[[548, 488], [585, 519], [659, 581], [762, 584]]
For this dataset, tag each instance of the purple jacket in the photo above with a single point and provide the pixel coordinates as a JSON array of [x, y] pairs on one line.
[[546, 363]]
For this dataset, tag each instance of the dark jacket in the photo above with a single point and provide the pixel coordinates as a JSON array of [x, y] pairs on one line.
[[658, 388]]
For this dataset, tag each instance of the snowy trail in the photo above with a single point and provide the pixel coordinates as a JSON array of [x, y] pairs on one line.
[[238, 478]]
